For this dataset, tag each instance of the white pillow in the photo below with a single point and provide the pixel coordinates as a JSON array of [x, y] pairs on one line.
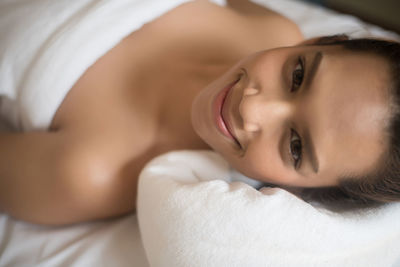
[[191, 214]]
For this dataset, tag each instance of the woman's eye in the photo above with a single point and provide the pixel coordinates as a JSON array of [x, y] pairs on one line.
[[295, 148], [297, 75]]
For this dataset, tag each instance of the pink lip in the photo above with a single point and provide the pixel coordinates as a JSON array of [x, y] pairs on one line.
[[218, 105]]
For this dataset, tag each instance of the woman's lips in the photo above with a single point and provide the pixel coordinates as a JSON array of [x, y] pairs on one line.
[[218, 106]]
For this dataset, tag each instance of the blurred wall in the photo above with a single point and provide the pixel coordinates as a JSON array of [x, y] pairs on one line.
[[385, 13]]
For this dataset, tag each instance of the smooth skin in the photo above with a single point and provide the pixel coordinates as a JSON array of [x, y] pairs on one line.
[[337, 113], [124, 111]]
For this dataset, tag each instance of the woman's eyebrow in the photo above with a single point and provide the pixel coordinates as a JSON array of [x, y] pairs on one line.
[[308, 141], [310, 151], [313, 69]]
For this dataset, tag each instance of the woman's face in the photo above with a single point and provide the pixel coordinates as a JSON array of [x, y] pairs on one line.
[[298, 116]]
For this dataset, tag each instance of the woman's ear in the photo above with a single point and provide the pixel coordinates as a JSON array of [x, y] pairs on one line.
[[323, 40]]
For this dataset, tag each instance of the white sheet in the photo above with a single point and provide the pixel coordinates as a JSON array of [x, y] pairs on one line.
[[108, 243], [117, 242]]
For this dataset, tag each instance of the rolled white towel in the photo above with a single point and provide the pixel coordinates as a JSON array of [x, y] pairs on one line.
[[191, 214]]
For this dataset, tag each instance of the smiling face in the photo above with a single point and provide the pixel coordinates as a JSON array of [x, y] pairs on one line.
[[299, 116]]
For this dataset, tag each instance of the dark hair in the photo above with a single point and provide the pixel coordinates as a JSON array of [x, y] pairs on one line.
[[383, 184]]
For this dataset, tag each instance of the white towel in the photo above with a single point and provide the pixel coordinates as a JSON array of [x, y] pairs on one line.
[[46, 45], [190, 214]]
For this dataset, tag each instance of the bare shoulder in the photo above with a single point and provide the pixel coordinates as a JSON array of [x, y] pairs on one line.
[[278, 29], [247, 27], [247, 7]]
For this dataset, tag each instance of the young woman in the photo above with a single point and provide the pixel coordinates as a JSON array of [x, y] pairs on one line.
[[300, 114]]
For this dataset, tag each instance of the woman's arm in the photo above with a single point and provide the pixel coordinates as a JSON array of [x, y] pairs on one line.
[[28, 168], [60, 178]]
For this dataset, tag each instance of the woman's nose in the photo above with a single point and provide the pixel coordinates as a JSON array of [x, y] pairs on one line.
[[260, 110]]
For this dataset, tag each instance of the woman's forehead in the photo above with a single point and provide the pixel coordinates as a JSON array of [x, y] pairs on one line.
[[350, 108]]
